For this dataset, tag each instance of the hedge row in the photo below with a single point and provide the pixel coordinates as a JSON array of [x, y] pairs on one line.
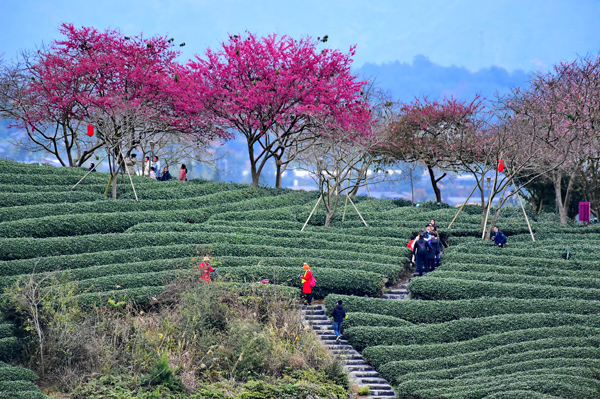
[[379, 355], [453, 256], [524, 271], [456, 365], [526, 361], [444, 311], [331, 235], [126, 281], [369, 319], [17, 374], [241, 245], [580, 280], [17, 386], [93, 223], [42, 210], [43, 197], [391, 272], [461, 330], [85, 260], [432, 288], [188, 252], [588, 251], [23, 395], [567, 386], [170, 263], [356, 282]]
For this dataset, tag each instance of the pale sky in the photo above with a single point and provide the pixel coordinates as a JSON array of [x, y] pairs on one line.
[[512, 34]]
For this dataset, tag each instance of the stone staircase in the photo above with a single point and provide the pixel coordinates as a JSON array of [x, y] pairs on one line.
[[358, 370]]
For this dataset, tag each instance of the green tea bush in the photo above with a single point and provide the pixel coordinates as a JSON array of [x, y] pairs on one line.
[[17, 386], [380, 355], [461, 330], [369, 319], [557, 385], [451, 289], [8, 199], [17, 374], [238, 244], [457, 365], [444, 311], [523, 272], [583, 280], [506, 364], [541, 263], [328, 280], [39, 211]]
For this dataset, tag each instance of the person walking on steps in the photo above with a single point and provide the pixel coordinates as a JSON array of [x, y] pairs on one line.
[[421, 248], [308, 282], [339, 314]]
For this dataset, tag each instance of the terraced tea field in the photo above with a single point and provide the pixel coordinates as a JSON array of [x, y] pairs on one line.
[[490, 323]]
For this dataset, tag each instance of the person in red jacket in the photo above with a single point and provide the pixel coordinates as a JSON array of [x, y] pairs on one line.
[[205, 269], [306, 279]]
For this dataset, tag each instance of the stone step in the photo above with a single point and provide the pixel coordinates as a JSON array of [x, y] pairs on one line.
[[313, 312], [369, 381], [316, 318], [393, 297], [365, 374], [355, 362], [380, 387], [387, 394], [361, 368], [401, 291]]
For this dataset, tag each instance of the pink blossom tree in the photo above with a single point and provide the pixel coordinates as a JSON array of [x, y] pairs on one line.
[[278, 92], [564, 104], [430, 131], [127, 87]]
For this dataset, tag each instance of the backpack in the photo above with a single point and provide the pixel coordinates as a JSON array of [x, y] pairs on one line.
[[313, 282]]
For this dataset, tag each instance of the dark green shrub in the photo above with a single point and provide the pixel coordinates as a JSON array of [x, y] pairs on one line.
[[380, 355], [432, 288], [443, 311], [369, 319], [461, 330]]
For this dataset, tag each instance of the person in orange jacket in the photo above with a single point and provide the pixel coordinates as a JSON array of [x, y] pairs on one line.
[[306, 279], [205, 269]]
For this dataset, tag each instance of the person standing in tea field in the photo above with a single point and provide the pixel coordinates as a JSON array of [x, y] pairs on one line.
[[205, 269]]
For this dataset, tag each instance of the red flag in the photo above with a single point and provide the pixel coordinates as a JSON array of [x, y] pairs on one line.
[[90, 130], [500, 165]]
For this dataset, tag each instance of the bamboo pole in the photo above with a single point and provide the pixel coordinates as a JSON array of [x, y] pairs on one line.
[[356, 209], [345, 206], [523, 208], [311, 213], [463, 205], [129, 174], [487, 212], [90, 171]]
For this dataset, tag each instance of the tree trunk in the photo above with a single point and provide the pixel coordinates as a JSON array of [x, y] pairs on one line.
[[114, 186], [488, 233], [562, 207], [278, 173], [434, 181]]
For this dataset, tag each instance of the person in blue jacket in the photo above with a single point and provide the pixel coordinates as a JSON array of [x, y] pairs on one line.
[[339, 314], [499, 237]]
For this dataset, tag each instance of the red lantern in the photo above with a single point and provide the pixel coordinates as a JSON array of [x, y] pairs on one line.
[[90, 130], [500, 165]]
